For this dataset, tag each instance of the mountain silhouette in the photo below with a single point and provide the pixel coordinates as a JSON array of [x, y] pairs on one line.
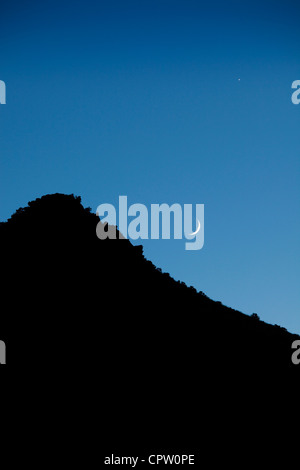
[[155, 350]]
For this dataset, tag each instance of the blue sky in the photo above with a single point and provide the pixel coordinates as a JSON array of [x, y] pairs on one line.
[[142, 98]]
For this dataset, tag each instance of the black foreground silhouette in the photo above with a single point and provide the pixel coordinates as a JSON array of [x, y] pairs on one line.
[[148, 358]]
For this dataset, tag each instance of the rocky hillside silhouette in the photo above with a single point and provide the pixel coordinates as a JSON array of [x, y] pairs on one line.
[[127, 346], [66, 287]]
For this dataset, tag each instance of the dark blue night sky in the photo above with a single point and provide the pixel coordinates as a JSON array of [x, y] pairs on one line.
[[143, 98]]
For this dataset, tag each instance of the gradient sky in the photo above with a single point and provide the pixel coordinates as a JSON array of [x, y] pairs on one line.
[[142, 98]]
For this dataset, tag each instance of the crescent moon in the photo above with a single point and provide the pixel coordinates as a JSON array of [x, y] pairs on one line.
[[197, 229]]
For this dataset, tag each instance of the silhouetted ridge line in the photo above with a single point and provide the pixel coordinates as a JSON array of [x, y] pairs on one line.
[[64, 283]]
